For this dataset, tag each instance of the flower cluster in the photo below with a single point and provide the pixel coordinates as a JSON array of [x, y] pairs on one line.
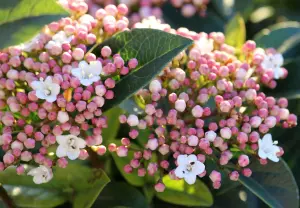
[[52, 90], [146, 8], [207, 104]]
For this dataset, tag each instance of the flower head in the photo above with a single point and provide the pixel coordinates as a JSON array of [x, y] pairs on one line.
[[88, 73], [188, 168], [46, 90], [69, 145], [42, 174], [205, 45], [267, 148], [58, 39], [273, 62]]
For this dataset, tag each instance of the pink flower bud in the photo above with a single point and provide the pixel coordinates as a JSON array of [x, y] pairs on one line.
[[132, 120], [225, 133], [215, 176], [122, 151], [152, 144], [62, 116], [243, 160], [193, 141], [159, 187], [155, 86], [197, 111], [8, 158], [180, 105]]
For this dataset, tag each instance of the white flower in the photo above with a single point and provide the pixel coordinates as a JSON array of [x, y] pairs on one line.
[[28, 46], [188, 168], [42, 174], [267, 148], [46, 90], [69, 145], [205, 45], [88, 73], [151, 22], [59, 39], [273, 62]]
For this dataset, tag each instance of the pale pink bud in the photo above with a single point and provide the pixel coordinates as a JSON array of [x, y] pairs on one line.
[[8, 158], [122, 151], [152, 144], [132, 120], [197, 111], [225, 133], [180, 105], [159, 187], [270, 121], [193, 140], [210, 136], [62, 116], [215, 176], [225, 106], [255, 121], [243, 160], [250, 94], [155, 86]]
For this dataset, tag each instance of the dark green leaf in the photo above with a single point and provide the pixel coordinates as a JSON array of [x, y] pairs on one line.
[[274, 184], [224, 7], [177, 192], [113, 124], [120, 195], [275, 35], [153, 49], [290, 48], [12, 10], [131, 178], [19, 31], [25, 196], [235, 32], [74, 181]]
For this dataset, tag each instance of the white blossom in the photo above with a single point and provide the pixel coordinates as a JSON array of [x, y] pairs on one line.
[[88, 73], [69, 145], [188, 168], [151, 22], [205, 45], [59, 39], [273, 62], [267, 148], [41, 174], [46, 89]]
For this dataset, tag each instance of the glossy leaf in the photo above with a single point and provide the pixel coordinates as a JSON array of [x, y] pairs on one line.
[[19, 31], [153, 49], [25, 196], [274, 184], [276, 34], [12, 10], [290, 47], [113, 124], [120, 195], [20, 20], [132, 178], [235, 32], [76, 183], [177, 192], [224, 7]]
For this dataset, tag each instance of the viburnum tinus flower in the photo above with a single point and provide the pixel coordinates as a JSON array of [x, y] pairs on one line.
[[188, 168], [53, 90], [41, 174], [46, 89], [206, 89], [267, 149], [70, 146]]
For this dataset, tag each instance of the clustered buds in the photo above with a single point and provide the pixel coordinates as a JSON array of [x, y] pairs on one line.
[[52, 90], [216, 111]]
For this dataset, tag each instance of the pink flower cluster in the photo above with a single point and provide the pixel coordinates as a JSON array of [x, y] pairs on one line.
[[216, 111], [52, 90], [146, 8]]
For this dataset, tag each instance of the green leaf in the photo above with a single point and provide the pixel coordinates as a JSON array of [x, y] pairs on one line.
[[25, 196], [290, 47], [120, 195], [131, 178], [76, 183], [177, 192], [274, 184], [12, 10], [275, 35], [235, 32], [113, 124], [153, 49], [21, 19]]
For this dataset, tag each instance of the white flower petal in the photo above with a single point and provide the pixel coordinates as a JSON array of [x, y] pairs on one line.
[[262, 154], [76, 72], [51, 98], [86, 82], [180, 171], [192, 158], [83, 64], [81, 143], [61, 151], [267, 140], [198, 168], [182, 160], [40, 94], [72, 155], [190, 178], [278, 59], [36, 85]]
